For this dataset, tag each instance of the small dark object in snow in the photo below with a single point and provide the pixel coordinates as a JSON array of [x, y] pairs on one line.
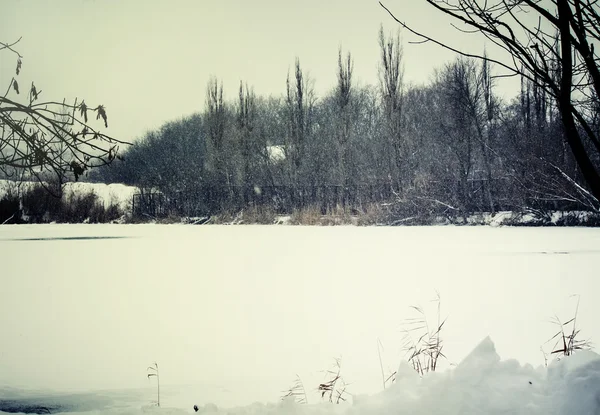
[[196, 406], [530, 383]]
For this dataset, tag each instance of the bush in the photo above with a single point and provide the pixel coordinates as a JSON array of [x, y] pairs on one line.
[[262, 215], [373, 214], [310, 216], [79, 208], [41, 206], [9, 209], [591, 219], [252, 215]]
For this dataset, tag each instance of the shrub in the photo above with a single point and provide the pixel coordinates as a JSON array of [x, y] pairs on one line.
[[310, 215], [262, 215], [372, 214], [78, 208], [9, 209], [42, 206]]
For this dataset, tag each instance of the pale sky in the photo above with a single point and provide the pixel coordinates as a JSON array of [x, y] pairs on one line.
[[149, 62]]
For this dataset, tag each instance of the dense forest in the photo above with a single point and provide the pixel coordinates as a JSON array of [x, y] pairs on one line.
[[450, 147]]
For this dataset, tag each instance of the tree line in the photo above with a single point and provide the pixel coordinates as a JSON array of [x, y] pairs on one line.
[[451, 146]]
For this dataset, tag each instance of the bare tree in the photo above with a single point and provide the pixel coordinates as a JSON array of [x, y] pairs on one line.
[[457, 119], [215, 121], [551, 44], [486, 129], [300, 107], [391, 78], [344, 102], [246, 118], [49, 138]]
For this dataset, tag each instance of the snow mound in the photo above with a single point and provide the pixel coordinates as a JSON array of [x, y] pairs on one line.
[[481, 384]]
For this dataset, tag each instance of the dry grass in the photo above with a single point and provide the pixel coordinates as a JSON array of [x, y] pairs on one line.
[[340, 215], [566, 339], [169, 220], [390, 378], [297, 392], [372, 214], [223, 218], [310, 216], [154, 373], [263, 215], [424, 352], [334, 387]]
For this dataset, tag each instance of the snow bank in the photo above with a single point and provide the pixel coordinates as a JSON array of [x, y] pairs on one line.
[[276, 153], [508, 218], [481, 384]]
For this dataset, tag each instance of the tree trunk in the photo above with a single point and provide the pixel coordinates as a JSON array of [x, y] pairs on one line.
[[586, 166]]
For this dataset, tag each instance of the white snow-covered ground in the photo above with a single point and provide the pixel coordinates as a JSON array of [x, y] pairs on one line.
[[232, 314]]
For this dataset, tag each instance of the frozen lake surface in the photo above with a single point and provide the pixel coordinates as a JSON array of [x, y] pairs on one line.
[[232, 314]]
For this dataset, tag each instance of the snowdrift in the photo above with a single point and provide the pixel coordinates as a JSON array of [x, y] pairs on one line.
[[481, 384]]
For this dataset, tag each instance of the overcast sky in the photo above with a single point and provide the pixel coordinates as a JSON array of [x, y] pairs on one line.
[[149, 61]]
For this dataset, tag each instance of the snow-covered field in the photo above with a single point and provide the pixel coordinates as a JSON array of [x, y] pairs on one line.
[[232, 314]]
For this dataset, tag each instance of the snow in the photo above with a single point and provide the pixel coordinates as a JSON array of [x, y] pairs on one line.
[[276, 153], [481, 384], [232, 314], [525, 219]]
